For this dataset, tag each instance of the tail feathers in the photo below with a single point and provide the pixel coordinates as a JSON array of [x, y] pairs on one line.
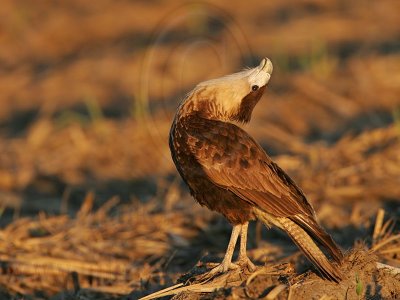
[[306, 244], [319, 234]]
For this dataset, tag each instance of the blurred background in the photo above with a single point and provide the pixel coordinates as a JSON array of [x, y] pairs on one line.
[[89, 89]]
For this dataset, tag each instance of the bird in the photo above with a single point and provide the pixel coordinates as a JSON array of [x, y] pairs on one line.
[[227, 171]]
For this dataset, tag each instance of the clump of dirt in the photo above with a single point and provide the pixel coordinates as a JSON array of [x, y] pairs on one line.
[[364, 279]]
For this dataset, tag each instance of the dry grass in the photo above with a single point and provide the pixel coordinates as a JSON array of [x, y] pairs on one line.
[[131, 248], [91, 205]]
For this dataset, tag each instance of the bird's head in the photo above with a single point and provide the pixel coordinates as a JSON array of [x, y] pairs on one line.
[[232, 97]]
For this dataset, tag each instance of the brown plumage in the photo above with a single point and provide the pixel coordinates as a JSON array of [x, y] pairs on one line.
[[229, 172]]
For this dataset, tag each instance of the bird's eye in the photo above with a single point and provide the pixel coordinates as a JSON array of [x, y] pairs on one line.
[[254, 87]]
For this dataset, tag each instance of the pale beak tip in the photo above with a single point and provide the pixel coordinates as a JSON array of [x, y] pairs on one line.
[[266, 65]]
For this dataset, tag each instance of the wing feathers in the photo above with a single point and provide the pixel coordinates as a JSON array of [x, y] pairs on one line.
[[243, 168]]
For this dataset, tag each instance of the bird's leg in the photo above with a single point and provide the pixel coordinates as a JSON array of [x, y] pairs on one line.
[[243, 259], [227, 261]]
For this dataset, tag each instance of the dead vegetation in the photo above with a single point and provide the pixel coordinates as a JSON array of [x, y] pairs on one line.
[[139, 247], [91, 205]]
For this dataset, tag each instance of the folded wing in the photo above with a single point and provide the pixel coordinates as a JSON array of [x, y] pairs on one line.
[[233, 160]]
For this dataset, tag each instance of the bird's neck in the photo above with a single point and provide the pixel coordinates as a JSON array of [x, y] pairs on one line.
[[203, 108]]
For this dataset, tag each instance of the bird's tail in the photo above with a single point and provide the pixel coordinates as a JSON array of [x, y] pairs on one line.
[[305, 242]]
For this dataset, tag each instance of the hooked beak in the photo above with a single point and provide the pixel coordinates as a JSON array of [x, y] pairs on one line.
[[266, 66]]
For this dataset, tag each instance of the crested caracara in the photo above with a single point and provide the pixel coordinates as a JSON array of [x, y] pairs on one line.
[[229, 172]]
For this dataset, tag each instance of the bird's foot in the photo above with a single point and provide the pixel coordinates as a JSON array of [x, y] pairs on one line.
[[223, 267], [219, 269], [245, 262], [242, 263]]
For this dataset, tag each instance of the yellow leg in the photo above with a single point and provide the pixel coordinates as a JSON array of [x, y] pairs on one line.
[[227, 261], [243, 260]]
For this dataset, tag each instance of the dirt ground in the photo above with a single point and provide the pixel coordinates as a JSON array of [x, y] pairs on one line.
[[91, 204]]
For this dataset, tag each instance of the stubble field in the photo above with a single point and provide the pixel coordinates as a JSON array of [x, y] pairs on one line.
[[91, 204]]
